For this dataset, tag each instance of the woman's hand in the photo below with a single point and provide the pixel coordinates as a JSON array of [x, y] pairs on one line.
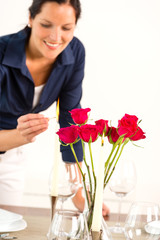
[[30, 125], [79, 202], [105, 210]]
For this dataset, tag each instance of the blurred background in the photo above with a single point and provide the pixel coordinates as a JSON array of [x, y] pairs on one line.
[[122, 75]]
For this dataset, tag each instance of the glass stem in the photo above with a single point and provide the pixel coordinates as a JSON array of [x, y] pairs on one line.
[[118, 224], [62, 203]]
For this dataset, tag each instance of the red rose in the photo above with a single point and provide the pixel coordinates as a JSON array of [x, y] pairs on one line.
[[127, 125], [139, 135], [103, 126], [113, 135], [80, 115], [88, 132], [68, 134]]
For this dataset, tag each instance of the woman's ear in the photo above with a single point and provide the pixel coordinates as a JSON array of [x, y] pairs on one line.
[[29, 21]]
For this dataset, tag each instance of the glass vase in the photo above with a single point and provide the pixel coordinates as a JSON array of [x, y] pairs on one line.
[[89, 195]]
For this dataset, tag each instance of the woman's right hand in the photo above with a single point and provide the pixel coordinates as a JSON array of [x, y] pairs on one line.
[[31, 125]]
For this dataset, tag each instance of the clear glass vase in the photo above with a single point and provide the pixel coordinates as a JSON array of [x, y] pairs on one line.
[[89, 195]]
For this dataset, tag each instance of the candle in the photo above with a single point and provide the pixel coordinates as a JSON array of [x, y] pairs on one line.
[[97, 212], [56, 163]]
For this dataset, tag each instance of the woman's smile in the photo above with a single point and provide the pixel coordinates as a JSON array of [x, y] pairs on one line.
[[52, 46]]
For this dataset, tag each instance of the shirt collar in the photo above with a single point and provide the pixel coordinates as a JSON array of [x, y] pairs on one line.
[[15, 52], [66, 57]]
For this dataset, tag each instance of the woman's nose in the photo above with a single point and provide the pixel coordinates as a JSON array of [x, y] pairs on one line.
[[55, 35]]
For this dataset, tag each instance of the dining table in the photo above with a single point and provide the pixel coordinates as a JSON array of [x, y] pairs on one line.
[[39, 219]]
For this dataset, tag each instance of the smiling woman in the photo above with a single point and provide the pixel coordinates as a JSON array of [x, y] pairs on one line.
[[45, 53], [121, 75], [52, 30]]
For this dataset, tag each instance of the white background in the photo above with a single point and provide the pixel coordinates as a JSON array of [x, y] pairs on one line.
[[122, 75]]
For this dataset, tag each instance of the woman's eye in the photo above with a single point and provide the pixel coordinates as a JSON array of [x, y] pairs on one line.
[[66, 29], [45, 25]]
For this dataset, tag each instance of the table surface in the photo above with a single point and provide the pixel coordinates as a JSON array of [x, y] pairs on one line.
[[38, 222], [39, 219]]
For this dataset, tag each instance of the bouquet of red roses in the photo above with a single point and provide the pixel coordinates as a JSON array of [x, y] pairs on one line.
[[127, 130]]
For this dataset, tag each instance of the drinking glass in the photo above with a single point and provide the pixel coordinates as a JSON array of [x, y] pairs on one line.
[[68, 225], [68, 183], [143, 221], [121, 183]]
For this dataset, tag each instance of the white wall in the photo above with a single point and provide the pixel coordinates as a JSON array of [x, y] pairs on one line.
[[122, 75]]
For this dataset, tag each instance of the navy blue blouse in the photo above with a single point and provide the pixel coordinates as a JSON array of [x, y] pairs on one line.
[[17, 86]]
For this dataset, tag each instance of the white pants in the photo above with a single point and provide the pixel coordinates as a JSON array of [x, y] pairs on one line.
[[12, 166]]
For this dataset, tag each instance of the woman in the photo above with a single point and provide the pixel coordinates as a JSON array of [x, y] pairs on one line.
[[38, 65]]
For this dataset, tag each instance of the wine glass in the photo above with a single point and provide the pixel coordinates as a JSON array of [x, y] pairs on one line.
[[143, 221], [121, 183], [68, 225], [69, 181]]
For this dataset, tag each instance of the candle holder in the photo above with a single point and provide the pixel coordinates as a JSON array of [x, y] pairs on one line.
[[96, 235], [103, 234]]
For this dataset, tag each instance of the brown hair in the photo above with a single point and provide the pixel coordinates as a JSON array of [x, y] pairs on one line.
[[36, 6]]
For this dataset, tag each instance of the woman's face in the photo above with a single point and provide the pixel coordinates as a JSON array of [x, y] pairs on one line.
[[52, 30]]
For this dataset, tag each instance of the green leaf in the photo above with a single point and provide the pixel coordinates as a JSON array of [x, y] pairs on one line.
[[136, 145], [139, 121]]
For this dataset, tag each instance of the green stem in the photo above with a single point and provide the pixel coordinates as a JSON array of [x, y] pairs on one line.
[[107, 172], [125, 142], [93, 194], [89, 198], [86, 193], [119, 141], [106, 163], [106, 181], [93, 172], [90, 217], [75, 156], [87, 166], [83, 175]]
